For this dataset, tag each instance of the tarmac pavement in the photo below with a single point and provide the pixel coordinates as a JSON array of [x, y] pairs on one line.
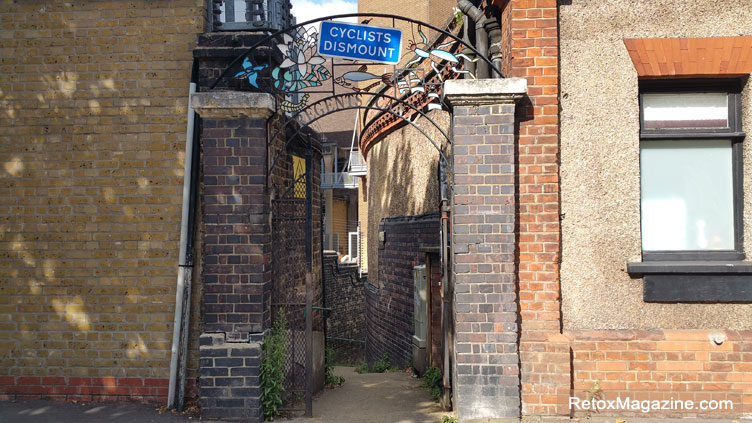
[[39, 411], [364, 398]]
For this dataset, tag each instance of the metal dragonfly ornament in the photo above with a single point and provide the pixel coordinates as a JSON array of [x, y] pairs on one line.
[[437, 55]]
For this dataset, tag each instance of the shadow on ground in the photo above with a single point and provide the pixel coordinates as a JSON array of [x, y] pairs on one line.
[[374, 398]]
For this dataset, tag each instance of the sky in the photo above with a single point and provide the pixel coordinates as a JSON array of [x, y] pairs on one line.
[[305, 10]]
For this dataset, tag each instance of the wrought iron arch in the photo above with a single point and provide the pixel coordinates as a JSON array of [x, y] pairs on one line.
[[360, 107], [394, 18], [282, 82]]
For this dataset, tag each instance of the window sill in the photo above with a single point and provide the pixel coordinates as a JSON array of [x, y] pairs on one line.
[[695, 281]]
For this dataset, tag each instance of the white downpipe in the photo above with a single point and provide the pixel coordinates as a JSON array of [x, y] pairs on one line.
[[171, 400], [352, 142]]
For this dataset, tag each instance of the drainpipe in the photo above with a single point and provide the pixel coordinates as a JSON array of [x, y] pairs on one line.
[[481, 38], [493, 29], [467, 28], [185, 261]]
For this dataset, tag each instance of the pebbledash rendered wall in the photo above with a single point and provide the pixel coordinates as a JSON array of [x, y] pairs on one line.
[[402, 178], [94, 99], [631, 346]]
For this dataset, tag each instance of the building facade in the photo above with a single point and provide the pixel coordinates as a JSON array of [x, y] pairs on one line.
[[637, 329], [598, 310], [94, 105]]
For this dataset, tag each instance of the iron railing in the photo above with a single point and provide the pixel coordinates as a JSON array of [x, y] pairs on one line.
[[330, 180], [357, 164], [251, 15]]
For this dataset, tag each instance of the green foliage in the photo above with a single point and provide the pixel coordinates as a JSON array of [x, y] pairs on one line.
[[432, 380], [458, 17], [331, 380], [361, 368], [273, 368], [382, 365], [297, 397], [448, 419], [594, 394]]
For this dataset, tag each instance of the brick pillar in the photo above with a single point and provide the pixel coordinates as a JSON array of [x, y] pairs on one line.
[[486, 385], [544, 352], [236, 238]]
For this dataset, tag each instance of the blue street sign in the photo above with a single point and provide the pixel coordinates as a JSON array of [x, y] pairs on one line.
[[360, 42]]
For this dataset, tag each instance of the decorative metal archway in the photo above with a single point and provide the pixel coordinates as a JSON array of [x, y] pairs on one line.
[[287, 65]]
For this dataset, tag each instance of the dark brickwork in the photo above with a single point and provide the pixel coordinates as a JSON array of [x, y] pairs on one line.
[[230, 385], [390, 311], [437, 340], [214, 53], [372, 320], [236, 272], [237, 248], [346, 324], [236, 231], [486, 381]]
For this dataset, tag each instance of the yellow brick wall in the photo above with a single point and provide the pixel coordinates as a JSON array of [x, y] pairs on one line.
[[93, 99], [434, 12], [339, 224], [363, 219]]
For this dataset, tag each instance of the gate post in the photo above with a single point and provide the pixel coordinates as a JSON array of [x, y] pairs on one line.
[[485, 376], [236, 240]]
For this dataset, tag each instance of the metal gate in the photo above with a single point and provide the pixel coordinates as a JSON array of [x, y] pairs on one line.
[[291, 292]]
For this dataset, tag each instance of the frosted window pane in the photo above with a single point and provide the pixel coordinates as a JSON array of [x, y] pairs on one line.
[[694, 110], [687, 195]]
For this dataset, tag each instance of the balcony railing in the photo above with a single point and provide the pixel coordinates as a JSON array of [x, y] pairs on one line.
[[357, 164], [251, 15], [330, 180]]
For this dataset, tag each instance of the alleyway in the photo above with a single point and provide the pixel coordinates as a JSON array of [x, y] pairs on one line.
[[375, 398]]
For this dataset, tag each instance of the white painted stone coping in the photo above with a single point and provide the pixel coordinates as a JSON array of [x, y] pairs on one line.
[[233, 104], [485, 86]]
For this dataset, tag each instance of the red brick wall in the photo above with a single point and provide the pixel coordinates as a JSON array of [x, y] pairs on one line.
[[679, 364], [67, 388], [544, 353], [656, 364]]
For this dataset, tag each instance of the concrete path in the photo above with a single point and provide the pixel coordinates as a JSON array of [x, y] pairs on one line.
[[374, 398], [66, 412]]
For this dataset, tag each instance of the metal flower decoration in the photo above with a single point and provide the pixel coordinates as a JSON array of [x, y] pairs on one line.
[[302, 67]]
